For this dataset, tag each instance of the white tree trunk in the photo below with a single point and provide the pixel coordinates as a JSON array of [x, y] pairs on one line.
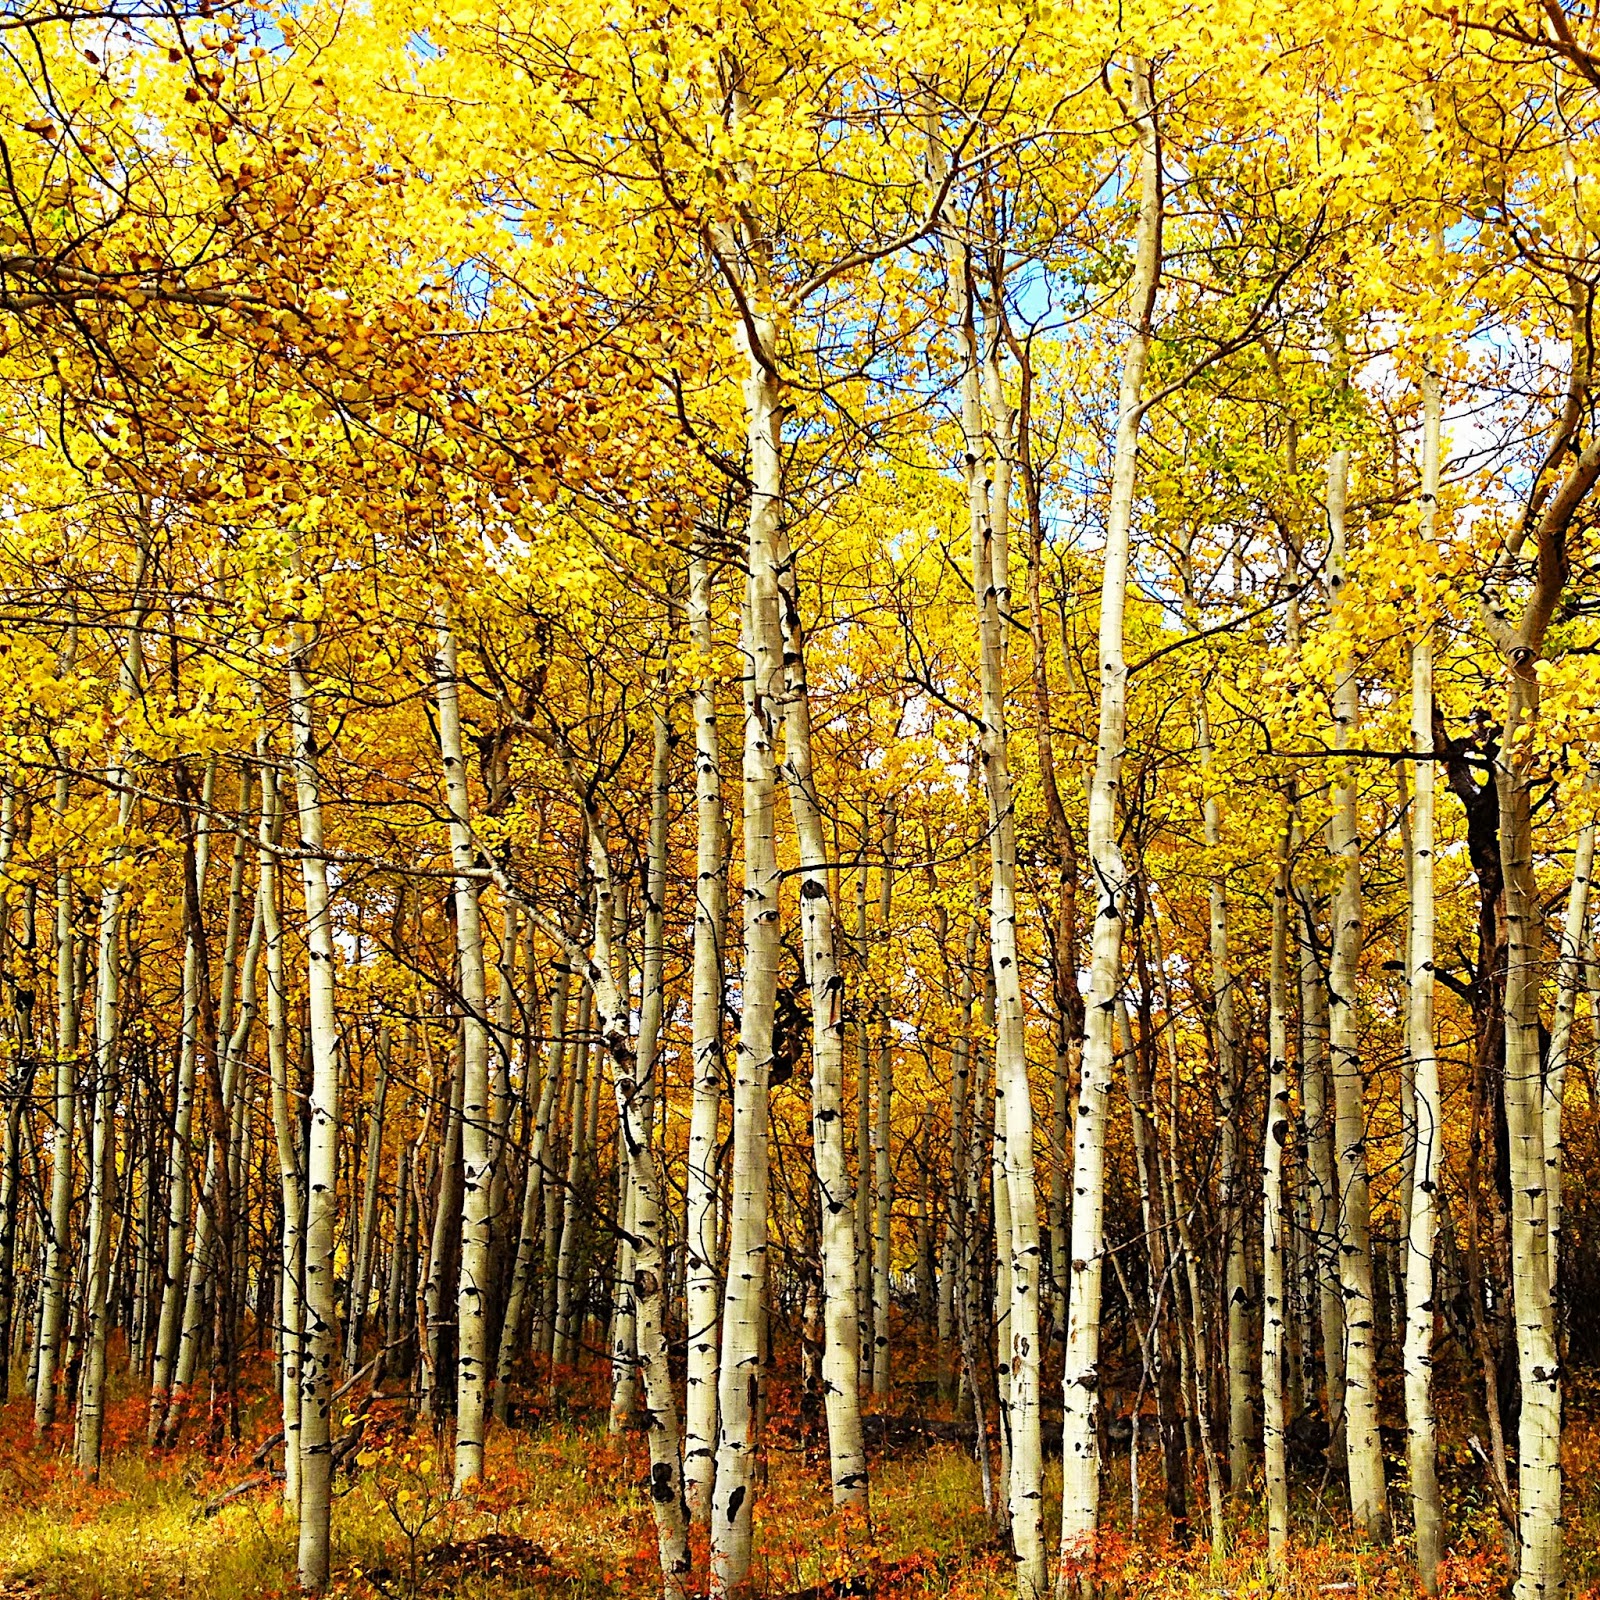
[[91, 1403], [1427, 1125], [285, 1123], [1274, 1310], [1569, 974], [1363, 1449], [472, 1334], [742, 1354], [703, 1287], [1081, 1381], [319, 1346], [841, 1360], [882, 1128]]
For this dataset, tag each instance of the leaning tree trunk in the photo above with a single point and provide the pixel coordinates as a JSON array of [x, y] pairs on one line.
[[1081, 1381], [1527, 1094]]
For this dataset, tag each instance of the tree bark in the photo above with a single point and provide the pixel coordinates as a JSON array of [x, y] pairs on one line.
[[703, 1286], [319, 1347], [1081, 1380]]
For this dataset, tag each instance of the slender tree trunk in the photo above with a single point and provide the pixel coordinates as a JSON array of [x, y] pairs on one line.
[[285, 1125], [703, 1285], [989, 515], [472, 1333], [108, 1021], [528, 1233], [1363, 1449], [562, 1350], [1527, 1091], [1229, 1077], [882, 1128], [1568, 981], [1182, 1212], [1274, 1317], [1427, 1125], [361, 1281], [1081, 1382], [741, 1362], [841, 1360], [319, 1346], [57, 1261]]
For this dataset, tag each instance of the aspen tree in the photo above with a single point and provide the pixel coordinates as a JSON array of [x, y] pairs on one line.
[[472, 1333], [291, 1169], [1274, 1311], [841, 1360], [882, 1130], [174, 1282], [1229, 1073], [1020, 1354], [366, 1231], [703, 1287], [1080, 1384], [755, 340], [1363, 1449], [522, 1285], [652, 1004], [53, 1289], [319, 1346], [1550, 513], [1568, 978], [108, 1023], [1427, 1108]]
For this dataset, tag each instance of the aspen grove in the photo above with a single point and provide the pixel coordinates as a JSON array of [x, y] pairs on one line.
[[827, 753]]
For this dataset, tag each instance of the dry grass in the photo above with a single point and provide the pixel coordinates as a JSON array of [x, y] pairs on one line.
[[561, 1485]]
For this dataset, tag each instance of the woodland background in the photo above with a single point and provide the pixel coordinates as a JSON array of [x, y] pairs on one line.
[[798, 799]]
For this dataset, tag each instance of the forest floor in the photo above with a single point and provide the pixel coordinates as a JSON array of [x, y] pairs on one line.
[[562, 1515]]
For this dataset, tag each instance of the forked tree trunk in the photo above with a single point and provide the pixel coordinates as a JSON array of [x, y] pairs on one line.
[[1081, 1381]]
